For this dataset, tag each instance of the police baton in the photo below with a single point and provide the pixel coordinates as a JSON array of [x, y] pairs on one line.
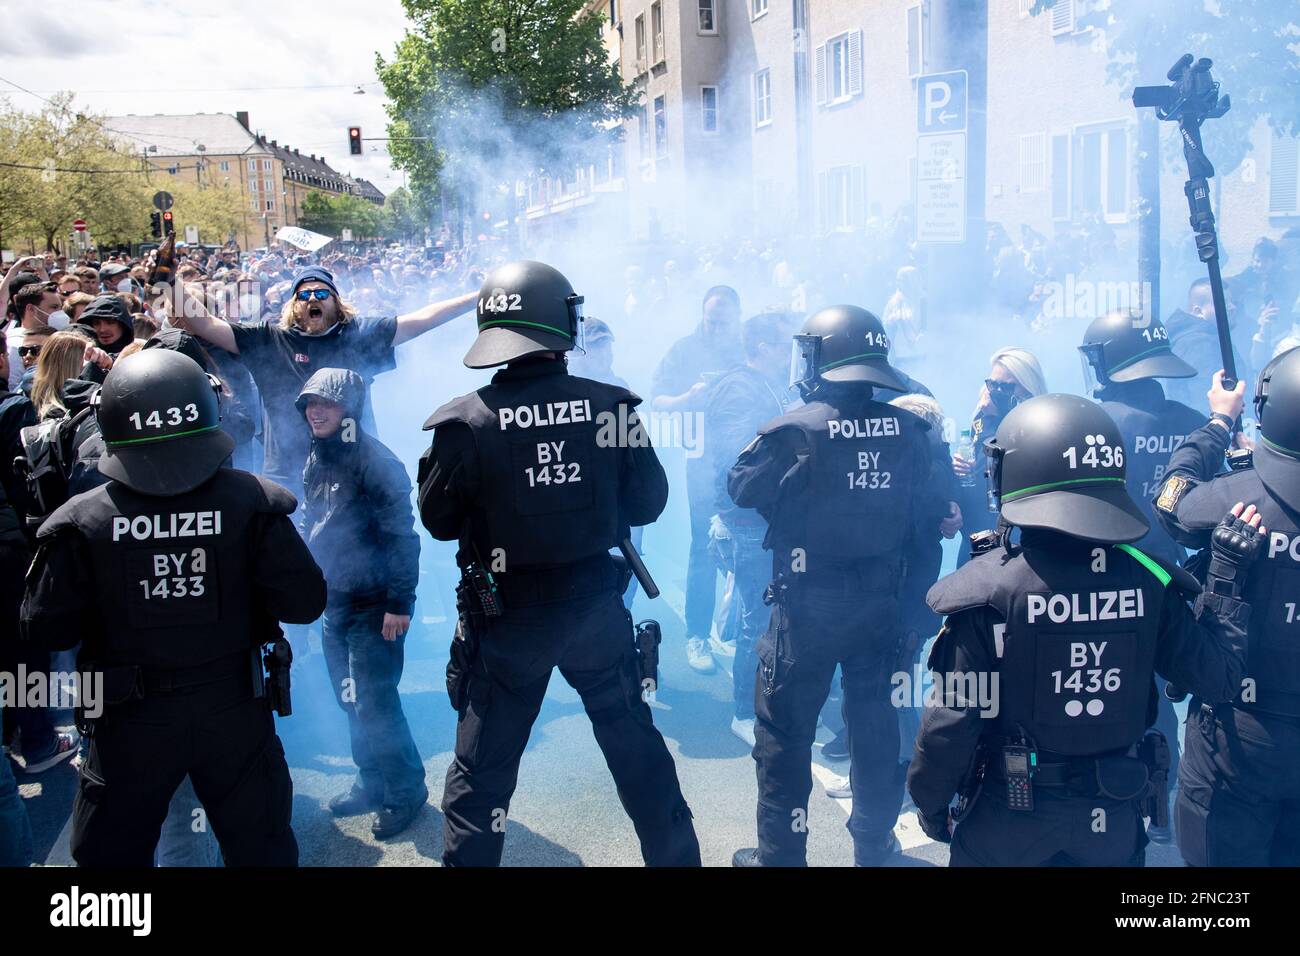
[[638, 568]]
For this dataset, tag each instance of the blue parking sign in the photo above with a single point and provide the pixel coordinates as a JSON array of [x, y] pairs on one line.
[[941, 102]]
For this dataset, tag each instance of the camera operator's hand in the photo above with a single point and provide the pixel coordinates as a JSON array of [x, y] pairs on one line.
[[1234, 546], [1224, 402]]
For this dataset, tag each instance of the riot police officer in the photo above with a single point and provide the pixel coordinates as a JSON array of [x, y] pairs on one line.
[[1124, 356], [172, 576], [846, 485], [1239, 785], [538, 475], [1044, 684]]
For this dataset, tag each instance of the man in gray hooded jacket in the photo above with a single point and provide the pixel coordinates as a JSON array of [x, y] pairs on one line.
[[357, 522]]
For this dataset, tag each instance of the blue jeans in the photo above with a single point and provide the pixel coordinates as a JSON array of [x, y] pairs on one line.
[[364, 670], [15, 828]]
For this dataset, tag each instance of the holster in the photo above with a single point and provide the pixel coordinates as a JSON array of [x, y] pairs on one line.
[[464, 646], [647, 640]]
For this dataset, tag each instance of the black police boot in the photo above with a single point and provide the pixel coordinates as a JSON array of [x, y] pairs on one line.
[[353, 803], [837, 749], [877, 855], [390, 821], [746, 857]]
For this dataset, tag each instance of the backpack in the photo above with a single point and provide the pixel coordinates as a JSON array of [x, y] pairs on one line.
[[49, 452]]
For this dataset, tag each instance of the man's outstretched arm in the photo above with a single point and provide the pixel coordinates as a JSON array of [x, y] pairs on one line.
[[431, 316]]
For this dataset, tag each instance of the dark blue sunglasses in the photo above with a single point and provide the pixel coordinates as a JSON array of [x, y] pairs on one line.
[[306, 295]]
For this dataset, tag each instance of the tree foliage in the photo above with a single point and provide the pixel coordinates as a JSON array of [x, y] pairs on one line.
[[500, 88], [331, 214]]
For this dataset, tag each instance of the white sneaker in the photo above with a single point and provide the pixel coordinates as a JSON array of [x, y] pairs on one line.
[[744, 729], [839, 788], [722, 648], [698, 657]]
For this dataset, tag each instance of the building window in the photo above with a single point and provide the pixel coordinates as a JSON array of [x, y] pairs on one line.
[[841, 194], [270, 205], [266, 186], [252, 204], [1284, 176], [1060, 175], [643, 133], [224, 165], [762, 98], [661, 128], [252, 185], [640, 43], [1033, 163], [708, 16], [915, 40], [252, 165], [1100, 172], [709, 109], [174, 168], [266, 165], [657, 31], [1062, 17], [1027, 7], [838, 65], [757, 8]]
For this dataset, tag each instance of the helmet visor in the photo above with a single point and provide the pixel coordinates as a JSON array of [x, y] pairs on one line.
[[805, 352], [1091, 359]]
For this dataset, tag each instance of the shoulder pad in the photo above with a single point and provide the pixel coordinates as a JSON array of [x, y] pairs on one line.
[[620, 395], [811, 414], [62, 518], [970, 586], [907, 415], [275, 499], [457, 410]]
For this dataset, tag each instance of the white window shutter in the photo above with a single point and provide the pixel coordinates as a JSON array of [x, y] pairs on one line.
[[820, 69], [1284, 176], [855, 63], [1062, 17], [858, 197], [823, 201]]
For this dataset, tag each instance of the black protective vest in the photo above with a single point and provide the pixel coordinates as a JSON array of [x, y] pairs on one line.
[[1272, 587], [550, 450], [1151, 433], [850, 495], [172, 575], [1076, 655]]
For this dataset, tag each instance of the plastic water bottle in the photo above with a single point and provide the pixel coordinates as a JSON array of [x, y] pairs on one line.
[[966, 450]]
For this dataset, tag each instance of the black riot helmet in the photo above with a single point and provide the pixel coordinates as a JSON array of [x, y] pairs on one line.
[[843, 343], [1057, 462], [525, 307], [1125, 346], [1277, 406], [160, 420]]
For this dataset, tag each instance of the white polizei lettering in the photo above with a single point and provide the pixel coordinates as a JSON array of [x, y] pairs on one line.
[[554, 413], [1086, 607], [1157, 444], [833, 428], [1279, 543], [185, 524], [863, 428]]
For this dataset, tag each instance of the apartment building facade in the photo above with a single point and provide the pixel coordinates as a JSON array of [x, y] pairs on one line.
[[798, 117]]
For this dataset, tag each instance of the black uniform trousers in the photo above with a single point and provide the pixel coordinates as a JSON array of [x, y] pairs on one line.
[[218, 734], [853, 623], [590, 640], [1239, 788], [1065, 828]]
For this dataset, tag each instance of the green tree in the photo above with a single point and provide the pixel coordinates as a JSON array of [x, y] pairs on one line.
[[330, 215], [402, 217], [485, 91]]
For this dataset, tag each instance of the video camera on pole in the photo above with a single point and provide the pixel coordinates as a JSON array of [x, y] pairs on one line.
[[1192, 98]]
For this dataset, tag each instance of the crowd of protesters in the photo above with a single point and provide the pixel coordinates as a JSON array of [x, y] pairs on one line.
[[296, 340]]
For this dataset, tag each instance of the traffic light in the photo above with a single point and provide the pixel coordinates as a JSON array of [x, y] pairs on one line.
[[354, 140], [155, 225], [168, 228]]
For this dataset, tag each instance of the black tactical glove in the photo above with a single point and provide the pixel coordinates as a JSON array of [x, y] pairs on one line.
[[936, 825], [1234, 545]]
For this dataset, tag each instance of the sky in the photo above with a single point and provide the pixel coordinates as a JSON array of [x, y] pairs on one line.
[[292, 65]]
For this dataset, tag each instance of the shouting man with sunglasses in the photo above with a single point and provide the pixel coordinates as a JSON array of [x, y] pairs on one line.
[[316, 329]]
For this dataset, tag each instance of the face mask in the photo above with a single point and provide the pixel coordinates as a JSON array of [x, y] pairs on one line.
[[124, 285], [58, 319]]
